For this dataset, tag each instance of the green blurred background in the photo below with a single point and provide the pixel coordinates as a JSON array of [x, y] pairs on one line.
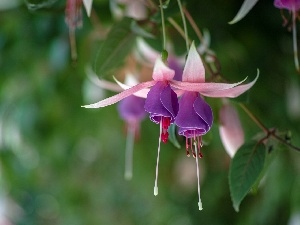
[[63, 164]]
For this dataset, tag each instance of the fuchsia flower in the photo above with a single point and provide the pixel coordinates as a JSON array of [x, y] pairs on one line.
[[287, 4], [293, 6], [193, 115], [131, 110]]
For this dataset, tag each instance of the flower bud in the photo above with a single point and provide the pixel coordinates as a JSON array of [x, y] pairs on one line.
[[231, 131]]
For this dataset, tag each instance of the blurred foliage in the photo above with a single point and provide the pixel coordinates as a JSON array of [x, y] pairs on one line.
[[62, 164]]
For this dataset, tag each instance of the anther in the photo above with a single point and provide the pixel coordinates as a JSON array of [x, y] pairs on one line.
[[200, 155], [187, 152]]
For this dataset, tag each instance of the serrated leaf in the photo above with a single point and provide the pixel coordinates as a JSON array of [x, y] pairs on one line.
[[172, 136], [245, 169], [115, 48], [245, 8]]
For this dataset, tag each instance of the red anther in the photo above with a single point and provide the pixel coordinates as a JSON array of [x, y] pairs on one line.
[[194, 154], [200, 155], [187, 146], [187, 152], [164, 137], [166, 121]]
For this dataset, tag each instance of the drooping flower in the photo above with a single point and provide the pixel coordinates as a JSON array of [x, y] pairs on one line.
[[161, 101], [231, 130], [131, 110], [73, 18], [195, 116], [293, 6]]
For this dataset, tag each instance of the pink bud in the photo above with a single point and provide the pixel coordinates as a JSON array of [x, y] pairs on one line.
[[231, 131]]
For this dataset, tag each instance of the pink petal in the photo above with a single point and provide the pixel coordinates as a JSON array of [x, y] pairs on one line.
[[230, 93], [194, 71], [161, 72], [105, 84], [203, 87], [88, 6], [231, 131], [142, 93], [122, 95]]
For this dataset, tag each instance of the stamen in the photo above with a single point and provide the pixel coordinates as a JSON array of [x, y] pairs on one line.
[[199, 140], [129, 151], [187, 147], [197, 168], [157, 160]]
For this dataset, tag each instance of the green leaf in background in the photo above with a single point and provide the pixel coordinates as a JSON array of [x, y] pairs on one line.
[[115, 48], [245, 169]]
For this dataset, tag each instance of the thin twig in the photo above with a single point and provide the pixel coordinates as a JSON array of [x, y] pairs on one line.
[[193, 24], [184, 25]]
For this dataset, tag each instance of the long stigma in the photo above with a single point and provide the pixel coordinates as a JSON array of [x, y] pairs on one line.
[[157, 160], [197, 168], [129, 151]]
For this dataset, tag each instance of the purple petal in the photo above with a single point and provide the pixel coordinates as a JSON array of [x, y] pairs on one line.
[[132, 108], [161, 101], [195, 115], [287, 4], [204, 111]]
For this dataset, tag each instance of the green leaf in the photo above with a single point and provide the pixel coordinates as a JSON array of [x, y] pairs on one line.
[[115, 48], [172, 136], [245, 169], [273, 148], [245, 8]]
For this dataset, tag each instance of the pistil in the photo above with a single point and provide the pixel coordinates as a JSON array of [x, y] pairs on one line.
[[165, 123]]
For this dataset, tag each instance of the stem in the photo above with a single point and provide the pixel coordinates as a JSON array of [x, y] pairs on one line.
[[163, 24], [181, 32], [73, 44], [178, 28], [254, 118], [284, 142], [129, 150], [193, 24], [270, 133], [184, 25]]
